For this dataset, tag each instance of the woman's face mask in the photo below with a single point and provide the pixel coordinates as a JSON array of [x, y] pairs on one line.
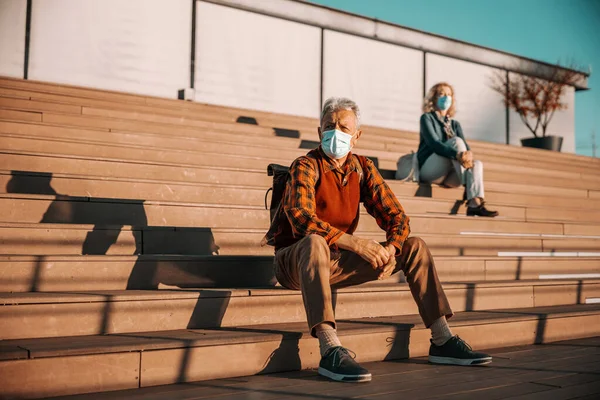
[[444, 102], [336, 144]]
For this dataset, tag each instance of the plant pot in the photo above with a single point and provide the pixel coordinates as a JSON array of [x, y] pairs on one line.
[[547, 143]]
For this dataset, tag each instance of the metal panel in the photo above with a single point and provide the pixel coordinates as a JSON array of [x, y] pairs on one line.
[[562, 124], [137, 46], [480, 110], [385, 80], [252, 61], [12, 37]]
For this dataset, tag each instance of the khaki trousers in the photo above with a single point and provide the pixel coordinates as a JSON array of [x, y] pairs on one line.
[[310, 266]]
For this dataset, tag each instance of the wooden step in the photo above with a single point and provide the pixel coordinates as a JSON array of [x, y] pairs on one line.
[[64, 238], [168, 172], [30, 315], [78, 273], [112, 362], [496, 162], [18, 144], [115, 97], [268, 119], [209, 142], [28, 182], [26, 208], [500, 158]]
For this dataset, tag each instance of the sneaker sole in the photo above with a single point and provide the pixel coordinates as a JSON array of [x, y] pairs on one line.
[[344, 378], [459, 361]]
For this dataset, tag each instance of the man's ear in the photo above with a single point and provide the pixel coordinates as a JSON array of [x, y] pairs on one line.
[[319, 132], [356, 137]]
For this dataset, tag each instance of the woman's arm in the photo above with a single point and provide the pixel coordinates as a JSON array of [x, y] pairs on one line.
[[459, 132], [431, 140]]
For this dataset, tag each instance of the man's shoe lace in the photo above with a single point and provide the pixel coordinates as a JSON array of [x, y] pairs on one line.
[[339, 352]]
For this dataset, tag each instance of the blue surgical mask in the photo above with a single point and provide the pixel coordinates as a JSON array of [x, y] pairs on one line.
[[444, 102], [336, 144]]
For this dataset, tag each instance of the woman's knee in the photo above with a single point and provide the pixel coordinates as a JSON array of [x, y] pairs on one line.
[[458, 144]]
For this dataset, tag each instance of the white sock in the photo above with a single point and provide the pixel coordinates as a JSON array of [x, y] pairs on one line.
[[440, 331], [327, 338]]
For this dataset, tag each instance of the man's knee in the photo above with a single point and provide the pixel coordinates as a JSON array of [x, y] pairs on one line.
[[414, 243], [316, 247]]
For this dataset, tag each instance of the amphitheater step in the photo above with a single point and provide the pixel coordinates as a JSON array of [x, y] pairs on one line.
[[49, 367], [85, 273], [31, 315]]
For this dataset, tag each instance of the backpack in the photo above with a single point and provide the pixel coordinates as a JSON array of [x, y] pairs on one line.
[[281, 175], [407, 168]]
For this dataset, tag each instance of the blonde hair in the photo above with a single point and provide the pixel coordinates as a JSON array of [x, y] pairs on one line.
[[430, 101]]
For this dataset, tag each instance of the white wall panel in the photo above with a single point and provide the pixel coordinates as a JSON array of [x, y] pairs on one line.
[[480, 110], [12, 37], [385, 80], [562, 124], [137, 46], [258, 62]]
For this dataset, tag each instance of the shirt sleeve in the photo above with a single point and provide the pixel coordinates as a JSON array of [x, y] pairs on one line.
[[383, 205], [299, 203], [428, 135]]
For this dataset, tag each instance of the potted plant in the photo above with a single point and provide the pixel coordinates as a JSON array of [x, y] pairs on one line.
[[536, 100]]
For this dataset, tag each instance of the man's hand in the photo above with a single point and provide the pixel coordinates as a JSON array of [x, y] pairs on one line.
[[374, 253], [388, 268], [465, 159], [381, 258]]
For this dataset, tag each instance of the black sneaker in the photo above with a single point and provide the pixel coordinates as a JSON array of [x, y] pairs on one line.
[[338, 364], [481, 211], [457, 352]]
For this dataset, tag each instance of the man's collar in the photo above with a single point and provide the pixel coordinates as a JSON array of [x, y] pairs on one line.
[[329, 165]]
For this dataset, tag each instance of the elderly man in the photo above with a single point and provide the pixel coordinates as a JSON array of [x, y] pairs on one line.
[[315, 249]]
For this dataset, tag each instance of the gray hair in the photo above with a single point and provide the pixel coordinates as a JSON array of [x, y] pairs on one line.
[[334, 104]]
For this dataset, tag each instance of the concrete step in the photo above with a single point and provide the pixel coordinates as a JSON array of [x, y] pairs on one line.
[[47, 367], [84, 273], [32, 315]]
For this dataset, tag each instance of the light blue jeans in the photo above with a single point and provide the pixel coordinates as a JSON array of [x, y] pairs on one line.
[[447, 172]]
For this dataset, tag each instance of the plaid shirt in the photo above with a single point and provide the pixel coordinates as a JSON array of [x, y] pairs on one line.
[[299, 200]]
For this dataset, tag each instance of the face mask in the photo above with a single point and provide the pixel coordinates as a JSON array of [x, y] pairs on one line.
[[444, 102], [336, 144]]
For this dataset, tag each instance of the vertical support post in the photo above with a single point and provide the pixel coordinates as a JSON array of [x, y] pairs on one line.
[[424, 74], [193, 47], [27, 39], [507, 108], [322, 68]]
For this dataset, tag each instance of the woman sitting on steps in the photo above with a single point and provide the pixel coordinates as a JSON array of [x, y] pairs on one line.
[[444, 156]]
